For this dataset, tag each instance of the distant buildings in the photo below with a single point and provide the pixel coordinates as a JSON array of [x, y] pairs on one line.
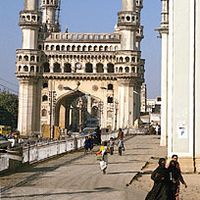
[[153, 105]]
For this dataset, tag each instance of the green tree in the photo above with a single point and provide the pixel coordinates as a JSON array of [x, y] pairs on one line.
[[8, 109]]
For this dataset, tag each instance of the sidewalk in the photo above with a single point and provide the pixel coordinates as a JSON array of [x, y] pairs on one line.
[[77, 176], [143, 181]]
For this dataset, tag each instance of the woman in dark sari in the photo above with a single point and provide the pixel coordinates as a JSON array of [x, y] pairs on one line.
[[160, 176], [175, 179]]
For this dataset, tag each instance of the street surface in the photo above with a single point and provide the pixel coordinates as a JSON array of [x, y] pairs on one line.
[[77, 176]]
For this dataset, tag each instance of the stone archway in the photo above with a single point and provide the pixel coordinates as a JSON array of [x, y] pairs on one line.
[[74, 111]]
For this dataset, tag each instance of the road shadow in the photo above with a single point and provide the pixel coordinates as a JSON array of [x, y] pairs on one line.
[[122, 172], [99, 190]]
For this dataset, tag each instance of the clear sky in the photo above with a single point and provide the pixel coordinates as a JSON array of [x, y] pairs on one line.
[[82, 16]]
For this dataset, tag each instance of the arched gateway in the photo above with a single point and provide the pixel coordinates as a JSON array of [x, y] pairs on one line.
[[71, 80]]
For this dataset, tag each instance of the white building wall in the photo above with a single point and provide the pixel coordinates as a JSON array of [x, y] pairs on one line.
[[183, 114], [164, 88], [180, 75], [197, 87]]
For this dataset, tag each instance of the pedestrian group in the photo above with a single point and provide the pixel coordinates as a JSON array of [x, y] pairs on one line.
[[108, 148], [166, 180]]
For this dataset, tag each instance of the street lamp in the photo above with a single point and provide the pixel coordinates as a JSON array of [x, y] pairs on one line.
[[136, 110], [80, 106], [100, 107], [52, 103]]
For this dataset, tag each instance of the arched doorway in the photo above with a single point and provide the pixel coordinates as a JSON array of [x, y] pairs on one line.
[[76, 110]]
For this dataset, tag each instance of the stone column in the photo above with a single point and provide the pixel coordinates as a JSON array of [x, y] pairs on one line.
[[94, 67], [62, 116], [51, 65], [70, 115], [28, 114], [121, 95], [105, 67], [89, 104], [62, 65]]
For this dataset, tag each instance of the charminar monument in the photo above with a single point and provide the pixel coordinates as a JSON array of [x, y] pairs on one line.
[[73, 80]]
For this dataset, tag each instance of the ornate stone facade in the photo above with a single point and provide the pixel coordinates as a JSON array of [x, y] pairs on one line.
[[70, 79]]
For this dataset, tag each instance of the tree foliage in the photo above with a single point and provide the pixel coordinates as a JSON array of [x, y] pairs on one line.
[[8, 109]]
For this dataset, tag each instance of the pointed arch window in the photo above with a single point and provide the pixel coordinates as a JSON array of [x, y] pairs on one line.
[[127, 59], [110, 100], [68, 47], [90, 48], [67, 68], [46, 67], [120, 69], [101, 48], [110, 86], [26, 68], [44, 98], [88, 68], [127, 69], [32, 69], [33, 58], [57, 68], [45, 85], [52, 47], [58, 48], [110, 68], [44, 112], [99, 68], [26, 58]]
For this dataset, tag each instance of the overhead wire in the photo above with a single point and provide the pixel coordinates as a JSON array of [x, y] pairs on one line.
[[9, 89], [8, 82]]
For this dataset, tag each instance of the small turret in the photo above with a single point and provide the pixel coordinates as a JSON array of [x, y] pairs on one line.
[[50, 14], [128, 5], [30, 20], [127, 24], [30, 5]]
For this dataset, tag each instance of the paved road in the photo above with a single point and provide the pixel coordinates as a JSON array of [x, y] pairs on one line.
[[77, 176]]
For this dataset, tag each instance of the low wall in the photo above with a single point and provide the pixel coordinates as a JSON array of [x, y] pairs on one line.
[[41, 151], [4, 163], [38, 152]]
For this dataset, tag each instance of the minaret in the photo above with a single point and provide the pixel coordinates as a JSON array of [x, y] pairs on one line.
[[127, 23], [27, 69], [50, 14], [129, 58]]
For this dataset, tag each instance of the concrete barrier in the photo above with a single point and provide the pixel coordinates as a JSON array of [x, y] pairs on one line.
[[38, 152], [4, 163], [41, 151]]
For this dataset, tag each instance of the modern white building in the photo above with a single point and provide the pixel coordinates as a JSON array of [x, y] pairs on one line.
[[180, 119], [143, 97]]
